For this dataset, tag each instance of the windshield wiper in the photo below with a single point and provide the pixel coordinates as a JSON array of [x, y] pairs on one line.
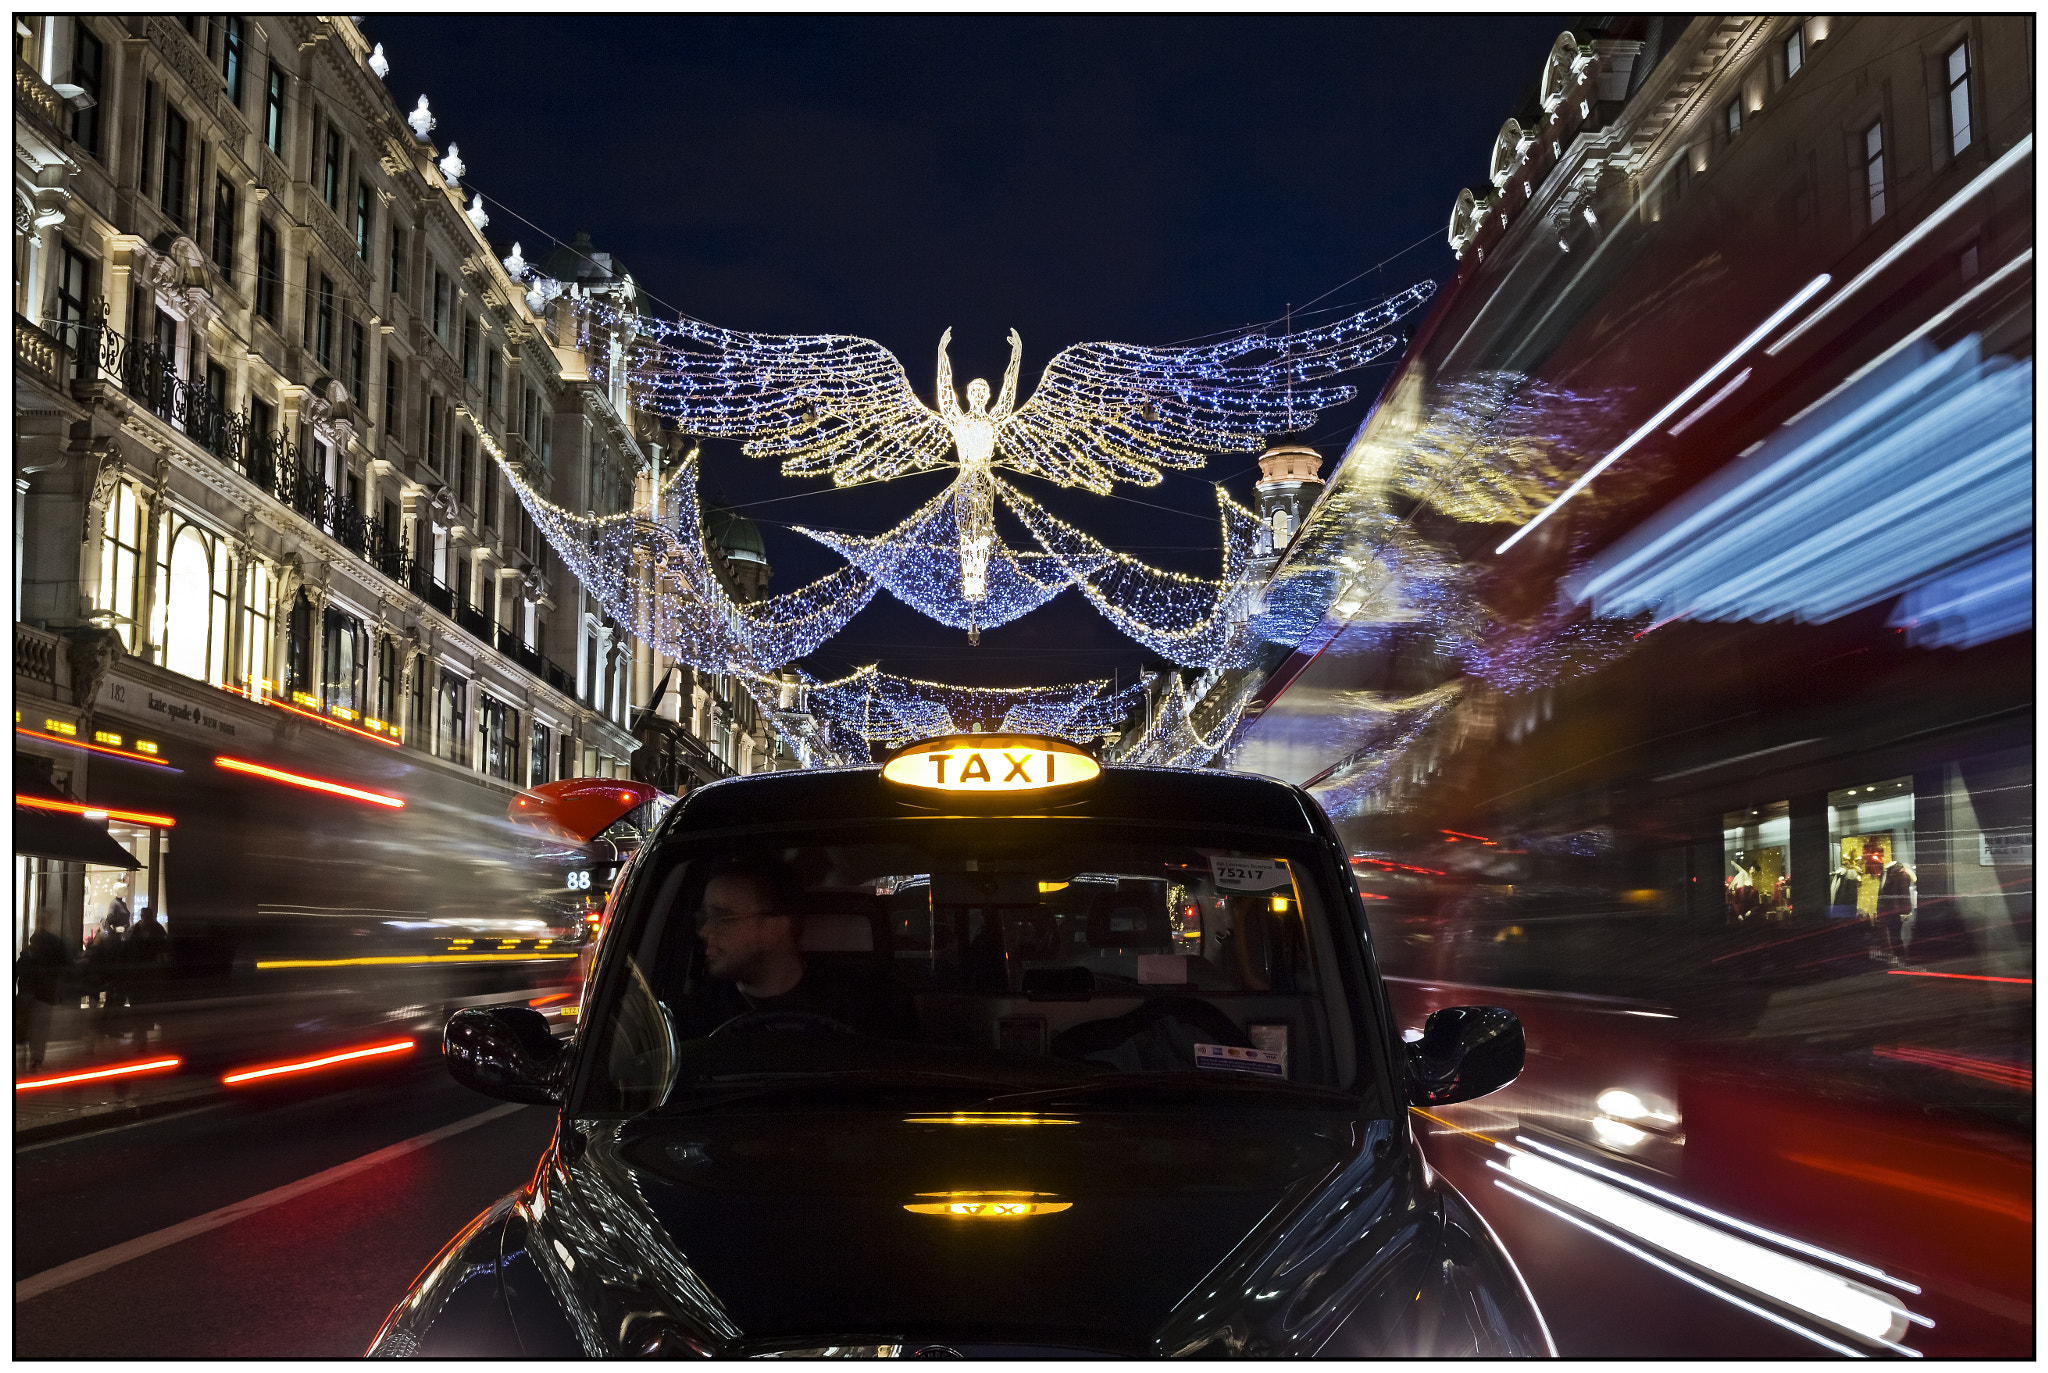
[[1162, 1084]]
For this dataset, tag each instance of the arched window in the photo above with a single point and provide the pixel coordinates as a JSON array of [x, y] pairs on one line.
[[187, 602], [121, 561]]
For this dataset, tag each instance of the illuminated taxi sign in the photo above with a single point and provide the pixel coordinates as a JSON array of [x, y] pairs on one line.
[[985, 764]]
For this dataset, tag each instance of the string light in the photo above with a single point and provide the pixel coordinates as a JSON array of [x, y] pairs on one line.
[[844, 720], [1102, 413]]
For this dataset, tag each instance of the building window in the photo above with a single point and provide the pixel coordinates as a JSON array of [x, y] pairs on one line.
[[256, 593], [121, 562], [72, 276], [469, 348], [342, 665], [490, 519], [262, 420], [323, 337], [440, 307], [543, 749], [176, 132], [269, 279], [391, 395], [397, 286], [451, 718], [363, 220], [1873, 170], [465, 452], [495, 380], [298, 647], [498, 732], [417, 733], [356, 361], [231, 59], [224, 224], [434, 432], [1795, 52], [1732, 118], [387, 682], [148, 136], [87, 58], [273, 111], [1958, 98], [330, 176], [195, 602]]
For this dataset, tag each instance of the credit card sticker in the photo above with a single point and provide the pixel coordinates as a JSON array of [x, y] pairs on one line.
[[1231, 1059]]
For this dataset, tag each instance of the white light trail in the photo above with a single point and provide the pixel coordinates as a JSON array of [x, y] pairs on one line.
[[1954, 308], [1672, 407], [1824, 1296], [1690, 420], [1978, 184], [1723, 1293], [1787, 1241]]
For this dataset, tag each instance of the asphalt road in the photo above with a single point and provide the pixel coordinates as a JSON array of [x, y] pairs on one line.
[[311, 1276]]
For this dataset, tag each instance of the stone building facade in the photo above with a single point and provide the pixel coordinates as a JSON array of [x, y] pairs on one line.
[[264, 355]]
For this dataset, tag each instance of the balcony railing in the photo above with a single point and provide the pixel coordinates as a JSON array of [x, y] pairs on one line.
[[37, 353], [270, 461], [33, 96]]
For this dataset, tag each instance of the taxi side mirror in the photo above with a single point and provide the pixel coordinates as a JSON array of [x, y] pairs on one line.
[[506, 1051], [1464, 1052]]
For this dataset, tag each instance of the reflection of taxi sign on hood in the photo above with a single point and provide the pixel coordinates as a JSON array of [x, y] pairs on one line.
[[990, 764]]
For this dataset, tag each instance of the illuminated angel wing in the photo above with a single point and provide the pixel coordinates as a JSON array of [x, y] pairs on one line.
[[1114, 412], [822, 403]]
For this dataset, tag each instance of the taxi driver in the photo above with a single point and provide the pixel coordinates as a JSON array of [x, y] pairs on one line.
[[751, 923]]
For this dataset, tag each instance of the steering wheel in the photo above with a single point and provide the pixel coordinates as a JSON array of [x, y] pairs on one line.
[[769, 1022]]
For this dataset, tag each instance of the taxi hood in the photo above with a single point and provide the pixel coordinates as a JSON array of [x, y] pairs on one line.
[[1147, 1229]]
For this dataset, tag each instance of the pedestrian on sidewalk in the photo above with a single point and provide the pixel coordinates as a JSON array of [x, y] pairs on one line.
[[41, 976], [145, 952], [102, 975]]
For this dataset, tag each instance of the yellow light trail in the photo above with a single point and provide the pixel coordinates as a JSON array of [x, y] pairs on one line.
[[409, 960]]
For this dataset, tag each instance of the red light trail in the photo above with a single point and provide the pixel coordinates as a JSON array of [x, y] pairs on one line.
[[118, 1070], [376, 798], [131, 817], [246, 1074]]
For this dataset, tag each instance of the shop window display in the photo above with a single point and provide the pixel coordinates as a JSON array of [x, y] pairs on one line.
[[1870, 838], [1757, 876]]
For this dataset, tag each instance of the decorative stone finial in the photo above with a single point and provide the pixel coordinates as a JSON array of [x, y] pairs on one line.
[[422, 121], [451, 165], [377, 62], [476, 213], [515, 265]]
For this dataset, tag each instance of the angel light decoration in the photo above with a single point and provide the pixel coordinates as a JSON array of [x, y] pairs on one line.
[[1101, 414]]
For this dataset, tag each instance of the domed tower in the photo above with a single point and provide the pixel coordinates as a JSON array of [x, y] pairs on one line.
[[1290, 481], [735, 542]]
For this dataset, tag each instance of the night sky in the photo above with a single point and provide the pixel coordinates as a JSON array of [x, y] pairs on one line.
[[1147, 180]]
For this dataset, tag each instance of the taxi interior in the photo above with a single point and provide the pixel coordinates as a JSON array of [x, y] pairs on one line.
[[1068, 945]]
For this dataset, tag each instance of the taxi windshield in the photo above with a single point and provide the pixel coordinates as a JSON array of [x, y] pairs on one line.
[[961, 963]]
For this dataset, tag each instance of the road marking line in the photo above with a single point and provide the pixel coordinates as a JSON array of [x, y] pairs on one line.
[[65, 1274]]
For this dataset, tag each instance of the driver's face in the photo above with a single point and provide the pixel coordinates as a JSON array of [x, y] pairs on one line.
[[739, 930]]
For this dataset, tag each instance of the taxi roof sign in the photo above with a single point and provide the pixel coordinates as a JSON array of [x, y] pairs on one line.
[[990, 764]]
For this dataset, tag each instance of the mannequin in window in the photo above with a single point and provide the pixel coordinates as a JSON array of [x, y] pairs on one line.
[[1742, 893], [1894, 904], [1844, 885]]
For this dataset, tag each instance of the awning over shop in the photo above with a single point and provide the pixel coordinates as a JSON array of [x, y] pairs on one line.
[[70, 838], [58, 834]]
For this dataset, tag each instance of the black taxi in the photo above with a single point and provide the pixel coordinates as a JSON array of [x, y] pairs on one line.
[[992, 1051]]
